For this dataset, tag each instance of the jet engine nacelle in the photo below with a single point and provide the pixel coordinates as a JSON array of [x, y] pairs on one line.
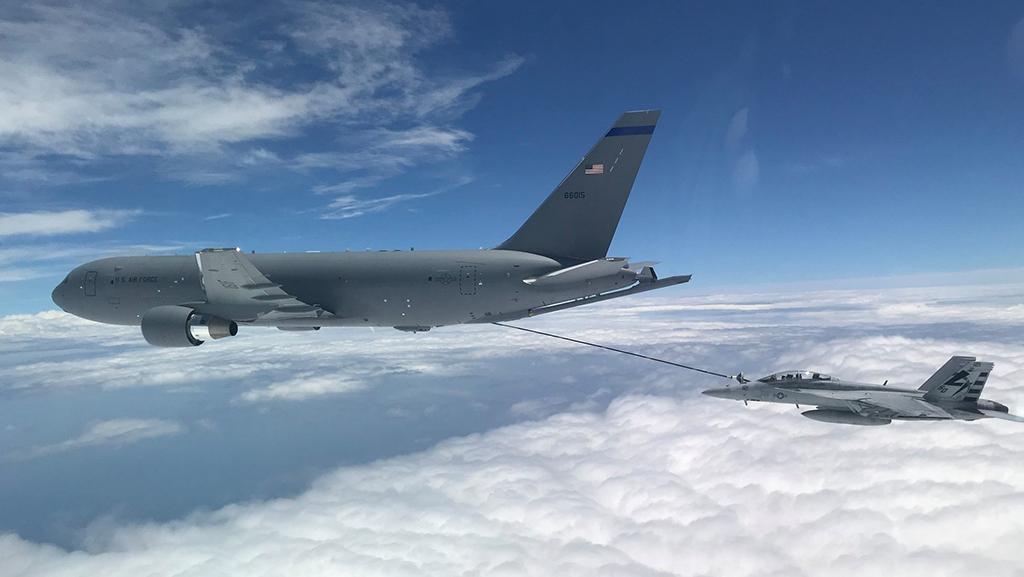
[[843, 417], [177, 326]]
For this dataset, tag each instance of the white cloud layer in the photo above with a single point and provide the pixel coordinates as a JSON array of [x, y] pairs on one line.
[[663, 482], [304, 386], [655, 486]]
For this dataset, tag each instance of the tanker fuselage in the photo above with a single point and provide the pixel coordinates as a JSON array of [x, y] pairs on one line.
[[386, 288]]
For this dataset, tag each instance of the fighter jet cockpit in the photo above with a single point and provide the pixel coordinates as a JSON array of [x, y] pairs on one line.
[[786, 376]]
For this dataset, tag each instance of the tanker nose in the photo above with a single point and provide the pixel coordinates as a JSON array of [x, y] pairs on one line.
[[58, 294]]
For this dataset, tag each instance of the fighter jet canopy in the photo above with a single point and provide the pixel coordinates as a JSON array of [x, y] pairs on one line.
[[794, 376]]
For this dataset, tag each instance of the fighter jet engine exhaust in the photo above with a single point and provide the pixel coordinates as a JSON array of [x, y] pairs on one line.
[[178, 326]]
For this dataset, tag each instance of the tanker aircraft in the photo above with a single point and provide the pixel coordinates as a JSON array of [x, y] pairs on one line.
[[952, 393], [556, 260]]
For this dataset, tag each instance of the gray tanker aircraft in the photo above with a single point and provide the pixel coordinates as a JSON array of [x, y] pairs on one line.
[[952, 393], [556, 260]]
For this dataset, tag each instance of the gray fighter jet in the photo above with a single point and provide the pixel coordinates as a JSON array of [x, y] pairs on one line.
[[556, 260], [952, 393]]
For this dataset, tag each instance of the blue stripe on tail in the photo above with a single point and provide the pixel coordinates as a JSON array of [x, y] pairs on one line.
[[630, 130]]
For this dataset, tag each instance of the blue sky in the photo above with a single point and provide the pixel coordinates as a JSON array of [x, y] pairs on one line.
[[798, 141]]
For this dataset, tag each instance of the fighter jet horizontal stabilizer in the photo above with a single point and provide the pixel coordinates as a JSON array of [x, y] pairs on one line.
[[1002, 415]]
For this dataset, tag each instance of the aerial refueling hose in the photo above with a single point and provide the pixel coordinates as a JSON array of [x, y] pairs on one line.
[[738, 377]]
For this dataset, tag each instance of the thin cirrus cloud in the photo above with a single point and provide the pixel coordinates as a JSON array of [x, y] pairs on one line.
[[351, 206], [123, 80], [113, 432], [746, 169], [31, 260], [388, 152], [62, 222]]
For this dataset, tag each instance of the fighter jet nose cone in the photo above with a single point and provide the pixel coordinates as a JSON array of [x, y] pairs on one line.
[[718, 393]]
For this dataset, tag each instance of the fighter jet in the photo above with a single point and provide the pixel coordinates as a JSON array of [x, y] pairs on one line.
[[558, 259], [952, 393]]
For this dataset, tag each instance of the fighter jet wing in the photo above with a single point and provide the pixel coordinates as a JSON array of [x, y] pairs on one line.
[[884, 404], [237, 290], [897, 404]]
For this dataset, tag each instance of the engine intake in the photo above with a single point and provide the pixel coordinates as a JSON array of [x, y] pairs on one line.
[[177, 326]]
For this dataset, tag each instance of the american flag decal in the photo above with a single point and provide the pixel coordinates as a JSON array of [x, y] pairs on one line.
[[594, 169]]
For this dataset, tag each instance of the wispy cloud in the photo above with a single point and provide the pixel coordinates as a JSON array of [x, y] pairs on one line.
[[1015, 49], [31, 260], [118, 79], [350, 206], [62, 222], [387, 153], [737, 129], [115, 432], [820, 163], [746, 169]]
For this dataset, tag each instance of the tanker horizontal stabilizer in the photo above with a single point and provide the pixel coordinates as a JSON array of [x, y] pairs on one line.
[[590, 270], [650, 284]]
